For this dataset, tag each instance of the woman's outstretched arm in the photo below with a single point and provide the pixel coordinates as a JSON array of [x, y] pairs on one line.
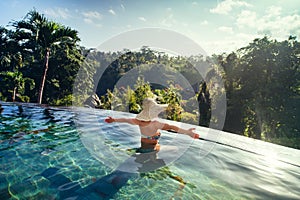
[[121, 120], [190, 132]]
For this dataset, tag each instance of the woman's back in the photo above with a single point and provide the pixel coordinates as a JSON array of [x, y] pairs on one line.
[[150, 128]]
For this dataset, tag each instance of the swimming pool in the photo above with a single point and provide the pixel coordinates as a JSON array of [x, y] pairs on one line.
[[63, 153]]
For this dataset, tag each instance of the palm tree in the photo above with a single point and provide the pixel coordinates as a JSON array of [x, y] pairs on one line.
[[41, 36], [10, 55], [4, 60], [11, 61]]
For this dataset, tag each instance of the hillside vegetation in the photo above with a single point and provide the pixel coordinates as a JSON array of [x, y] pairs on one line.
[[40, 60]]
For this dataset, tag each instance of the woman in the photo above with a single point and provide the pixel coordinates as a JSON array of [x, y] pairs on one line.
[[149, 127]]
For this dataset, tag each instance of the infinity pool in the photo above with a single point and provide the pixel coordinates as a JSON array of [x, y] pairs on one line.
[[64, 153]]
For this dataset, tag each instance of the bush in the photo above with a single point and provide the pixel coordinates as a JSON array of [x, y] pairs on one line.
[[189, 118], [191, 105], [285, 141], [65, 101]]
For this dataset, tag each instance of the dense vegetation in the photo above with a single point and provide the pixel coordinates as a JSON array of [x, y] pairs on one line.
[[40, 60]]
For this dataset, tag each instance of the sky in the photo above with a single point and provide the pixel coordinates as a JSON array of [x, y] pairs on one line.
[[216, 25]]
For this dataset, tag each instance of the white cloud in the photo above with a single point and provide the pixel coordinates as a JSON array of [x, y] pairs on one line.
[[271, 23], [229, 44], [246, 19], [91, 22], [218, 46], [228, 5], [58, 13], [281, 27], [111, 11], [203, 23], [92, 15], [98, 25], [92, 18], [274, 11], [88, 21], [123, 7], [194, 3], [226, 29], [142, 19], [168, 21]]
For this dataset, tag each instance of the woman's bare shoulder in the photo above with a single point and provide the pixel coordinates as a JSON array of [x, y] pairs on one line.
[[159, 124], [141, 123], [136, 121]]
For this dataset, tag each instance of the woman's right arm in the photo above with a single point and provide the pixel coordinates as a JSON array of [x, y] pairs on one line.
[[121, 120], [190, 132]]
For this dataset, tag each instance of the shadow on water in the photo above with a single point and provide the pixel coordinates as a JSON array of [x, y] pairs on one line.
[[107, 186]]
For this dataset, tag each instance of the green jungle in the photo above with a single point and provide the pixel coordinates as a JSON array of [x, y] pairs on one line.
[[40, 60]]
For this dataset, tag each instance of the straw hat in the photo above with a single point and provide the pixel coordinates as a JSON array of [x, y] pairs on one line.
[[151, 109]]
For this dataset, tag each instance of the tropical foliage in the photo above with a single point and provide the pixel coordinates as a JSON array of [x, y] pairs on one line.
[[40, 60], [44, 52]]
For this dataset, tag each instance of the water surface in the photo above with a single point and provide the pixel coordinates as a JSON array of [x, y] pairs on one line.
[[56, 153]]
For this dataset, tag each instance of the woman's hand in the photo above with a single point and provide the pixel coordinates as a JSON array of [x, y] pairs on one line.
[[109, 120], [192, 134]]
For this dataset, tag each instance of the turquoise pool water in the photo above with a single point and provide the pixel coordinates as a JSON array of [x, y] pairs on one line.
[[56, 153]]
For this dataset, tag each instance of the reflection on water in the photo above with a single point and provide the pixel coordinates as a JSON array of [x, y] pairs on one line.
[[43, 157]]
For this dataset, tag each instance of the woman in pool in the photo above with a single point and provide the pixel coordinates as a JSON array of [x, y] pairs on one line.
[[149, 127]]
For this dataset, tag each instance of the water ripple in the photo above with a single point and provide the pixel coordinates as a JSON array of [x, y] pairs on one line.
[[227, 167]]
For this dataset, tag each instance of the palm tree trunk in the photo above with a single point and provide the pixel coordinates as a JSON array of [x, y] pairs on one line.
[[44, 76], [14, 94]]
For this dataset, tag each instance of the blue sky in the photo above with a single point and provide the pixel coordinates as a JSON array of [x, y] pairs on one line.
[[216, 25]]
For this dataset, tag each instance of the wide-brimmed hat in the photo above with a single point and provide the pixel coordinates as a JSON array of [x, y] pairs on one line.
[[151, 109]]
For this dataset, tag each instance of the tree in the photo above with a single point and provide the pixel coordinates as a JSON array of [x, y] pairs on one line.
[[11, 58], [14, 82], [41, 36], [204, 105], [261, 82]]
